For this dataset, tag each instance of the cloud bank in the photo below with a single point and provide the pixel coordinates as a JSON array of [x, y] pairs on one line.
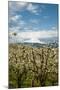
[[32, 36]]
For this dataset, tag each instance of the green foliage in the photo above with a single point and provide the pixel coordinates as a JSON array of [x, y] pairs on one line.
[[32, 67]]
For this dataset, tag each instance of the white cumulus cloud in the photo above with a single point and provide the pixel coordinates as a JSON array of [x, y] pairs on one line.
[[33, 36]]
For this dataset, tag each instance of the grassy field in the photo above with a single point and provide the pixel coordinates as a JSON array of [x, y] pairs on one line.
[[32, 67]]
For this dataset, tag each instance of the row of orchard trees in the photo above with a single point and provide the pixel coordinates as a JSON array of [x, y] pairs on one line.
[[31, 67]]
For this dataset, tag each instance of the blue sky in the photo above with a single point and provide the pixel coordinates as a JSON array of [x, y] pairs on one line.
[[32, 21]]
